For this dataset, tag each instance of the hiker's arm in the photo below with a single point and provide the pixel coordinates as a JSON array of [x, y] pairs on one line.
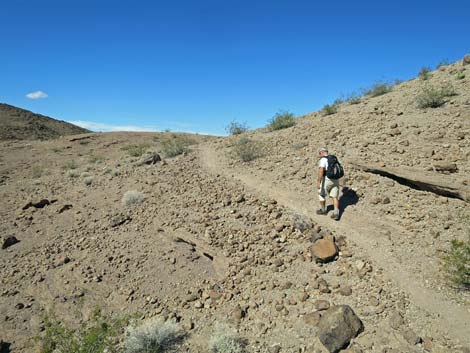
[[321, 171]]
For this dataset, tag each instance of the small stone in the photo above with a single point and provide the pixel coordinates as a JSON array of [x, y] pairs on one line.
[[396, 320], [312, 318], [322, 305], [198, 304], [411, 337], [346, 291], [279, 227]]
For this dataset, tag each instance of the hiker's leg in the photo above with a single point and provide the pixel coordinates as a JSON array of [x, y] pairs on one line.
[[336, 204], [334, 193], [322, 200]]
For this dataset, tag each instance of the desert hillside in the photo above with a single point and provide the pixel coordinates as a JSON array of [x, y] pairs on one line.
[[179, 227], [21, 124]]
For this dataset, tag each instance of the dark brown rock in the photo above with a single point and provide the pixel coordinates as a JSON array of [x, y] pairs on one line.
[[337, 327], [9, 241]]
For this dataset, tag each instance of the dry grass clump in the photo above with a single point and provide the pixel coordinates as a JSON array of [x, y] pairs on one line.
[[71, 164], [136, 150], [224, 340], [281, 120], [433, 97], [132, 197], [425, 73], [73, 173], [96, 159], [247, 150], [153, 336], [88, 180], [236, 128]]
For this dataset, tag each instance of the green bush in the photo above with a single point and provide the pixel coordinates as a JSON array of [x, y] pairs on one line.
[[425, 73], [329, 109], [236, 128], [246, 149], [96, 336], [378, 89], [281, 120], [460, 75], [457, 260], [153, 336], [433, 97], [224, 340], [176, 145]]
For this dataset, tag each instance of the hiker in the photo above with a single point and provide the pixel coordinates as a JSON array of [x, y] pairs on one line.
[[329, 173]]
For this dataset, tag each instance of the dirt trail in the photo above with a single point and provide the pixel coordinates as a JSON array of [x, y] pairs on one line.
[[369, 235]]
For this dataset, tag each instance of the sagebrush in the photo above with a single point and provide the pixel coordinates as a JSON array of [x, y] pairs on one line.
[[132, 197], [153, 336], [224, 340]]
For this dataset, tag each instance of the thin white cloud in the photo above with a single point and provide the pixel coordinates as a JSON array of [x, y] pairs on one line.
[[37, 95], [94, 126]]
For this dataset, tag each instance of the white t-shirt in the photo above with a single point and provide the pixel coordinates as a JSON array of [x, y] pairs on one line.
[[323, 163]]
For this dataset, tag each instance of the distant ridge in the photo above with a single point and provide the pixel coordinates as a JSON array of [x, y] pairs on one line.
[[21, 124]]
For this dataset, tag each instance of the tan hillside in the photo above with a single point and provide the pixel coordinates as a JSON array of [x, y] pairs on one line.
[[203, 238], [21, 124]]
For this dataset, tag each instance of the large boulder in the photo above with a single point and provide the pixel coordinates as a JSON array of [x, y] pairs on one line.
[[338, 326], [324, 250]]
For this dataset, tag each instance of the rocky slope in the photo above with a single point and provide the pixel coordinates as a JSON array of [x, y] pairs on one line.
[[21, 124], [211, 239]]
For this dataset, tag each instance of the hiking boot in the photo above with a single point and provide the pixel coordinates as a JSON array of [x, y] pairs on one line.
[[335, 216], [321, 212]]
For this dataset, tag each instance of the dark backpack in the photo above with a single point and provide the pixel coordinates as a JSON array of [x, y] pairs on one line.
[[335, 169]]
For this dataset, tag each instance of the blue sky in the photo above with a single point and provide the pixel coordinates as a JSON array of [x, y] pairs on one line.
[[197, 65]]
